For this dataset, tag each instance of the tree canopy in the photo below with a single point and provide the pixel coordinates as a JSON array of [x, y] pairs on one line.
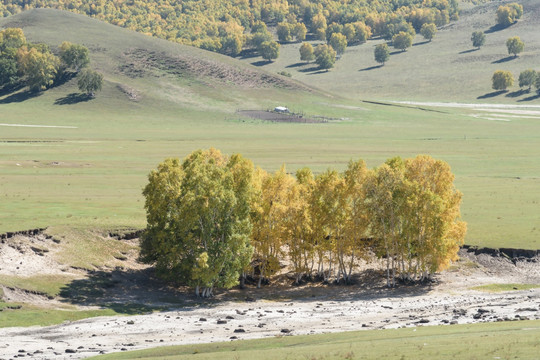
[[198, 215], [501, 80], [382, 53], [221, 25], [306, 52], [402, 41], [478, 39], [210, 215], [325, 56], [428, 31], [515, 45], [74, 55], [509, 14], [89, 81], [527, 78]]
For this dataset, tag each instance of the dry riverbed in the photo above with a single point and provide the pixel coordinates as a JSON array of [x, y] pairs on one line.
[[280, 309]]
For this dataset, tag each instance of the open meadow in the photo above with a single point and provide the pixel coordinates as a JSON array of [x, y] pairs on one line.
[[87, 163]]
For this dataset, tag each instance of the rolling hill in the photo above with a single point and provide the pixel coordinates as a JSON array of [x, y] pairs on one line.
[[83, 163], [447, 69]]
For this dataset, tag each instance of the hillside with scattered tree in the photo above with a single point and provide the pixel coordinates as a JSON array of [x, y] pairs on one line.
[[228, 26]]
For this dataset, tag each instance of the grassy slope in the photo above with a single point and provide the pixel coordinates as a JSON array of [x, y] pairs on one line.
[[92, 176], [447, 69], [480, 341]]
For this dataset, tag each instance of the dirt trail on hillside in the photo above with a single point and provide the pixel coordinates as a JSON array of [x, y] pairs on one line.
[[275, 310]]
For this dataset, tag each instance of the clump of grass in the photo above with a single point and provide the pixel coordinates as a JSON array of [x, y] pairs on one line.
[[49, 285]]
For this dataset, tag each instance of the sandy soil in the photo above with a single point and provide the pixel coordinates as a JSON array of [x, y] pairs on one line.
[[278, 309]]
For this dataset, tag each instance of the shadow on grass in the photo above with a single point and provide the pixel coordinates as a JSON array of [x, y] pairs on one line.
[[492, 94], [517, 93], [497, 27], [530, 98], [261, 62], [73, 98], [297, 64], [372, 67], [310, 69], [421, 43], [397, 52], [469, 51], [20, 97], [9, 89], [503, 60], [248, 54]]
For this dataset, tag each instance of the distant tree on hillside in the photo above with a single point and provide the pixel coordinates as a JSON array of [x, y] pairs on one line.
[[478, 39], [284, 32], [515, 45], [402, 41], [382, 53], [12, 38], [325, 56], [89, 81], [38, 66], [537, 83], [299, 31], [269, 50], [74, 55], [509, 14], [502, 80], [338, 42], [306, 52], [527, 78], [428, 31]]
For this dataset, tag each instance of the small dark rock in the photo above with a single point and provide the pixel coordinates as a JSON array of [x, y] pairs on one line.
[[229, 317], [220, 322], [71, 351], [233, 337], [130, 322], [202, 319], [239, 331], [286, 331], [423, 321]]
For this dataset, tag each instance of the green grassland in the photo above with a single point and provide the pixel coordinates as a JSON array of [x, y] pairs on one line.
[[508, 340], [91, 175], [446, 69]]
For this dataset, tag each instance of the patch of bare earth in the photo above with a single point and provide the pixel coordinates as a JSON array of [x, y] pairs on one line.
[[142, 62], [277, 309], [279, 117]]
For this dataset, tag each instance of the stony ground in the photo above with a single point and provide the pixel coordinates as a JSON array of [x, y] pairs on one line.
[[276, 310]]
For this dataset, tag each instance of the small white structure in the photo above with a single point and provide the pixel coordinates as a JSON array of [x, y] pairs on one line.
[[281, 109]]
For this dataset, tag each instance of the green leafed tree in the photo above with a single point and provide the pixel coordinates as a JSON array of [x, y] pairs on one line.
[[325, 56], [428, 31], [509, 14], [74, 56], [402, 41], [501, 80], [338, 42], [12, 38], [269, 50], [527, 78], [39, 69], [306, 52], [198, 215], [299, 31], [89, 81], [478, 39], [382, 53], [284, 32], [515, 45]]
